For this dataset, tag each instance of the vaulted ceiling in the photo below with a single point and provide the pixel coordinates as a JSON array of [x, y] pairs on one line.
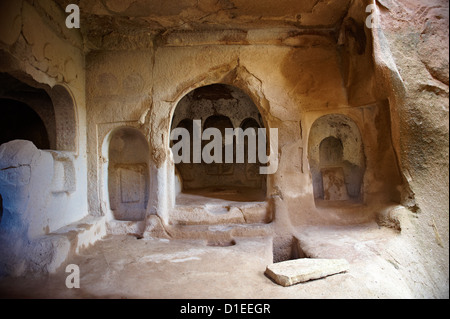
[[138, 18]]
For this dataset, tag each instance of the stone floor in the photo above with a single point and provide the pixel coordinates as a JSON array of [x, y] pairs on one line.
[[128, 267]]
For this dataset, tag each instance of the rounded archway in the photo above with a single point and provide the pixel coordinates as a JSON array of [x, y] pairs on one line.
[[221, 116], [128, 174], [65, 118], [24, 103], [336, 158], [18, 121]]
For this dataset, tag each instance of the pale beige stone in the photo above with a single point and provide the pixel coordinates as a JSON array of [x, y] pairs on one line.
[[291, 272], [361, 113]]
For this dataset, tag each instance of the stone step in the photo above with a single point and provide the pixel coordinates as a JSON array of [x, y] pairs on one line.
[[219, 233], [153, 228], [221, 213]]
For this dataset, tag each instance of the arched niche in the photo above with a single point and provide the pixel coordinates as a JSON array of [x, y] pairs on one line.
[[18, 121], [222, 107], [54, 106], [336, 158], [65, 118], [128, 174]]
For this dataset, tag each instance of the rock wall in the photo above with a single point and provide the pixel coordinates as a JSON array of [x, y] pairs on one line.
[[219, 106], [292, 83], [411, 48], [361, 111], [42, 190]]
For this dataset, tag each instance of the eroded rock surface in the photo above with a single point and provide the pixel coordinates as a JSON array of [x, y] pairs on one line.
[[291, 272]]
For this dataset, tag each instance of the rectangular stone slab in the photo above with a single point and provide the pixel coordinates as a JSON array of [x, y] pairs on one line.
[[291, 272]]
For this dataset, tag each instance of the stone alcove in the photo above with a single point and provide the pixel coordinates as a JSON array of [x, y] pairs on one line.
[[65, 119], [37, 113], [18, 121], [222, 107], [336, 158], [128, 174], [27, 113]]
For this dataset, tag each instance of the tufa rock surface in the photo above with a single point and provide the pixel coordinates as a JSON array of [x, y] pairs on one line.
[[291, 272]]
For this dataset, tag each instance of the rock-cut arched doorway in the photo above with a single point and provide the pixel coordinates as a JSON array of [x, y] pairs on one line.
[[218, 107]]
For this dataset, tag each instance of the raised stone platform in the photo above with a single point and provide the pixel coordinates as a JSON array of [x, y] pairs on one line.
[[206, 207]]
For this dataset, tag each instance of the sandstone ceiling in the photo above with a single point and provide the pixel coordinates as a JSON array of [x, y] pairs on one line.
[[107, 20]]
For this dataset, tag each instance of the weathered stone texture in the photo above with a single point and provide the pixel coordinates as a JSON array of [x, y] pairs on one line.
[[288, 273], [361, 114]]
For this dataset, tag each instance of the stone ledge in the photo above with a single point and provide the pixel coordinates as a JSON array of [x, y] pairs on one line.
[[84, 232]]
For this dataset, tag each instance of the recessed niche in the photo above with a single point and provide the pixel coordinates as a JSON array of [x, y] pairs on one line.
[[128, 174], [37, 113], [221, 107], [18, 121], [336, 157]]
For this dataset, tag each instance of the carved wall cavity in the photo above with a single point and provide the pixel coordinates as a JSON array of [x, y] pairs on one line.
[[27, 113], [19, 121], [65, 119], [336, 157], [128, 174], [219, 106], [54, 107]]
